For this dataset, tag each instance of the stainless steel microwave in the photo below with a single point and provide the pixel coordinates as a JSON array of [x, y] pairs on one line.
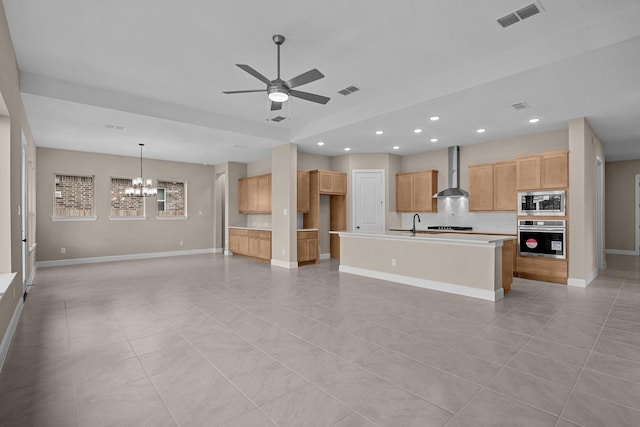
[[542, 203]]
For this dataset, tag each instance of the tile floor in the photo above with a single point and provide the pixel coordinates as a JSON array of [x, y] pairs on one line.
[[223, 341]]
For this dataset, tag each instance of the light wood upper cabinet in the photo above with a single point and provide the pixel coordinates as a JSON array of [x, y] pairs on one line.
[[505, 194], [528, 173], [414, 191], [254, 194], [543, 171], [492, 187], [264, 193], [243, 196], [303, 191], [481, 187], [331, 182], [555, 170], [404, 192]]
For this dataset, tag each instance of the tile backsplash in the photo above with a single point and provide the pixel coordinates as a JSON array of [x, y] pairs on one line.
[[455, 212]]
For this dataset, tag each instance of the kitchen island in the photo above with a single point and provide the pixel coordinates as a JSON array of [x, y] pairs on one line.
[[463, 264]]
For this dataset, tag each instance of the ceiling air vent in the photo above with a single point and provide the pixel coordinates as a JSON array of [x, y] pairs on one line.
[[520, 14], [520, 105], [278, 119], [528, 11], [348, 90], [510, 19]]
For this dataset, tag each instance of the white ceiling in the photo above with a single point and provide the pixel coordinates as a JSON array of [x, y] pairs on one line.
[[158, 69]]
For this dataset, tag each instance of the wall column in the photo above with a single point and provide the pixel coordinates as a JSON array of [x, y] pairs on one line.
[[284, 165]]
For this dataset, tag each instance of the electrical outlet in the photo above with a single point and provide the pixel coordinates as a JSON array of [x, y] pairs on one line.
[[63, 250], [181, 243], [393, 262], [283, 252]]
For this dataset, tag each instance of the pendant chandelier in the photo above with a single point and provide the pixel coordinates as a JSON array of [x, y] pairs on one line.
[[141, 187]]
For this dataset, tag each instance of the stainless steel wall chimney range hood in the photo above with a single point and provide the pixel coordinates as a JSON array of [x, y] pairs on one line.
[[454, 189]]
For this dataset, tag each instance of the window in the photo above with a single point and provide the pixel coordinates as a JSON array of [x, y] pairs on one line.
[[123, 205], [74, 196], [171, 199]]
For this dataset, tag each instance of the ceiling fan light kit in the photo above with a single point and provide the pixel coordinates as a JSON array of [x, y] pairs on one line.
[[278, 90]]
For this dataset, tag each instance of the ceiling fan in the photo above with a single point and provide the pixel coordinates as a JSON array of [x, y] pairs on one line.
[[279, 90]]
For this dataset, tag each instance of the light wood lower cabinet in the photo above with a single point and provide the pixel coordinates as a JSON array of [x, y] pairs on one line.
[[539, 268], [307, 246], [251, 243]]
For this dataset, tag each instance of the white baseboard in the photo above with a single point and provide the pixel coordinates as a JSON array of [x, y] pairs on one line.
[[11, 329], [621, 252], [284, 264], [325, 256], [428, 284], [218, 250], [582, 283], [91, 260], [228, 253]]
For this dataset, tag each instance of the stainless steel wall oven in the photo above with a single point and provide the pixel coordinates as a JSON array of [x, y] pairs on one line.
[[545, 238]]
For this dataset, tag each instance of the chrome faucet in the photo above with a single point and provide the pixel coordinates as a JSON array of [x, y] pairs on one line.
[[413, 229]]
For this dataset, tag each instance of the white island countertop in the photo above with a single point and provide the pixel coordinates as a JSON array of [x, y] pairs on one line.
[[240, 227], [459, 238]]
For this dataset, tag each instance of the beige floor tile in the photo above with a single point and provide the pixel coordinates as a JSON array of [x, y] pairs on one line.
[[84, 329], [396, 407], [610, 388], [268, 382], [546, 368], [621, 368], [351, 385], [534, 391], [307, 406], [134, 403], [590, 411], [466, 366], [255, 418], [491, 409]]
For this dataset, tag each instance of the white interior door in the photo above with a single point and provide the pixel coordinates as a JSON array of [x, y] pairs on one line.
[[368, 200]]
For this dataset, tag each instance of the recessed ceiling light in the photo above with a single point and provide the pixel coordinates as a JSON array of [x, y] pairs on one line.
[[481, 130], [534, 120], [396, 147], [434, 118], [320, 143], [379, 132], [347, 149], [417, 131], [434, 140]]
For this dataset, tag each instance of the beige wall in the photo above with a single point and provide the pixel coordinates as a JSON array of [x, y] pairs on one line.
[[584, 151], [10, 165], [620, 184], [106, 237], [309, 162]]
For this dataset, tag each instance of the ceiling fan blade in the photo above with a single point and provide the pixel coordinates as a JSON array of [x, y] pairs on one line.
[[276, 106], [309, 96], [304, 78], [244, 91], [254, 73]]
